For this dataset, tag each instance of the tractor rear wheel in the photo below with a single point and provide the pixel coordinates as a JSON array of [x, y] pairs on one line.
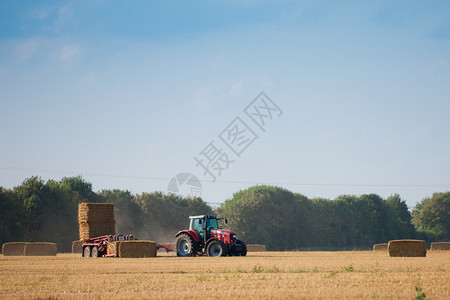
[[186, 246], [87, 251], [217, 248]]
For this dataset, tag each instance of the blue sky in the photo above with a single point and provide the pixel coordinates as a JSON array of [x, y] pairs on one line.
[[126, 95]]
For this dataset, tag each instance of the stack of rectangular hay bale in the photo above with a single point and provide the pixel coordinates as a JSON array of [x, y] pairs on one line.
[[380, 247], [255, 248], [440, 246], [407, 248], [96, 219], [133, 249], [29, 249]]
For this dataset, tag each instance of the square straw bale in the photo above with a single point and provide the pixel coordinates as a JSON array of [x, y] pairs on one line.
[[40, 249], [407, 248], [13, 249]]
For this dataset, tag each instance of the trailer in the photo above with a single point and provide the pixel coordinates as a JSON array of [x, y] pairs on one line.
[[98, 246]]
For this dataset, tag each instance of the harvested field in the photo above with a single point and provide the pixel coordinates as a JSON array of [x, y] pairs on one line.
[[95, 219], [256, 248], [40, 249], [260, 275], [407, 248], [13, 249], [380, 247], [76, 246], [440, 246]]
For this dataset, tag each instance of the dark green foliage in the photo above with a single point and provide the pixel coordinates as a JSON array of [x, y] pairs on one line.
[[49, 210], [268, 215], [280, 219], [127, 213], [283, 220], [165, 215], [11, 228], [431, 216]]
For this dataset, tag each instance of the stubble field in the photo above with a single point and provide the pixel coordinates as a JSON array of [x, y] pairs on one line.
[[262, 275]]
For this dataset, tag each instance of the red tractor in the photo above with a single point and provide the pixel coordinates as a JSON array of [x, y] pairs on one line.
[[206, 237]]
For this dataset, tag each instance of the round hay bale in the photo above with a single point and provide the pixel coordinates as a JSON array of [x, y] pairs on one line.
[[440, 246], [13, 249], [76, 247], [137, 249], [40, 249], [380, 247], [407, 248], [256, 248]]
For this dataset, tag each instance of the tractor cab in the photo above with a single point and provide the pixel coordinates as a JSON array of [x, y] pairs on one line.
[[203, 224]]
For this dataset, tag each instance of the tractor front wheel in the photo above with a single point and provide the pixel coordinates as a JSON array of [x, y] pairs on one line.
[[244, 248], [186, 246], [217, 248]]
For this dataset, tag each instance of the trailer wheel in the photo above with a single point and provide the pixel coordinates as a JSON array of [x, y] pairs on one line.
[[217, 248], [186, 246], [94, 251], [87, 251]]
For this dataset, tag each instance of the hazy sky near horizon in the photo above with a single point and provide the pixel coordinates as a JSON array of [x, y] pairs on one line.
[[128, 95]]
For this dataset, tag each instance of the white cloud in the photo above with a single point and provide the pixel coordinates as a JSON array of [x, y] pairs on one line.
[[68, 53], [237, 87], [205, 95], [41, 14], [24, 50]]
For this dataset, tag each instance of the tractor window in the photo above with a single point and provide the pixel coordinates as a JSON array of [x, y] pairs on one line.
[[196, 224], [212, 224]]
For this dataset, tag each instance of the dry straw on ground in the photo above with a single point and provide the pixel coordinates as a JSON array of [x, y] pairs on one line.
[[380, 247], [95, 219], [255, 248], [440, 246], [133, 249], [259, 275], [13, 249], [40, 249], [407, 248], [77, 247]]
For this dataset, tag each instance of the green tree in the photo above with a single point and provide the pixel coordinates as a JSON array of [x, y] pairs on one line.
[[50, 210], [11, 228], [127, 213], [432, 215], [398, 221], [31, 195], [81, 189], [164, 215], [267, 214]]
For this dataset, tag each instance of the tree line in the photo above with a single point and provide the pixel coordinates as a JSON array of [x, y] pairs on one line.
[[282, 220], [48, 211]]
